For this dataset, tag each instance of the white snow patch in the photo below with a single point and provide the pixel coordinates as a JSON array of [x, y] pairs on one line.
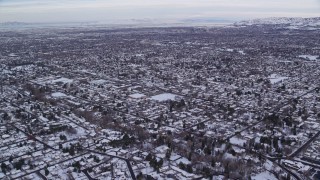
[[12, 55], [274, 78], [309, 57], [220, 177], [229, 156], [162, 148], [2, 175], [25, 67], [268, 165], [164, 97], [137, 95], [58, 94], [241, 52], [63, 80], [237, 141], [183, 160], [100, 81], [6, 71], [264, 176], [43, 119]]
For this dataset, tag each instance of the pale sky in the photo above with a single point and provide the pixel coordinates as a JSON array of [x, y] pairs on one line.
[[121, 10]]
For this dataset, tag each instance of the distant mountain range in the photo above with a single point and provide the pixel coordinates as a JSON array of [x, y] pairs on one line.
[[145, 22], [14, 23], [285, 21]]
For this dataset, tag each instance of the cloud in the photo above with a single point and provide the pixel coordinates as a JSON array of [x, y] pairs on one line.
[[98, 10]]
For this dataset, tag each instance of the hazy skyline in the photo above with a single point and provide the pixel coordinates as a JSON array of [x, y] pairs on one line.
[[166, 10]]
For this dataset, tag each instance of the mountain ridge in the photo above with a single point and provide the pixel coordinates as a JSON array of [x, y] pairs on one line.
[[290, 21]]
